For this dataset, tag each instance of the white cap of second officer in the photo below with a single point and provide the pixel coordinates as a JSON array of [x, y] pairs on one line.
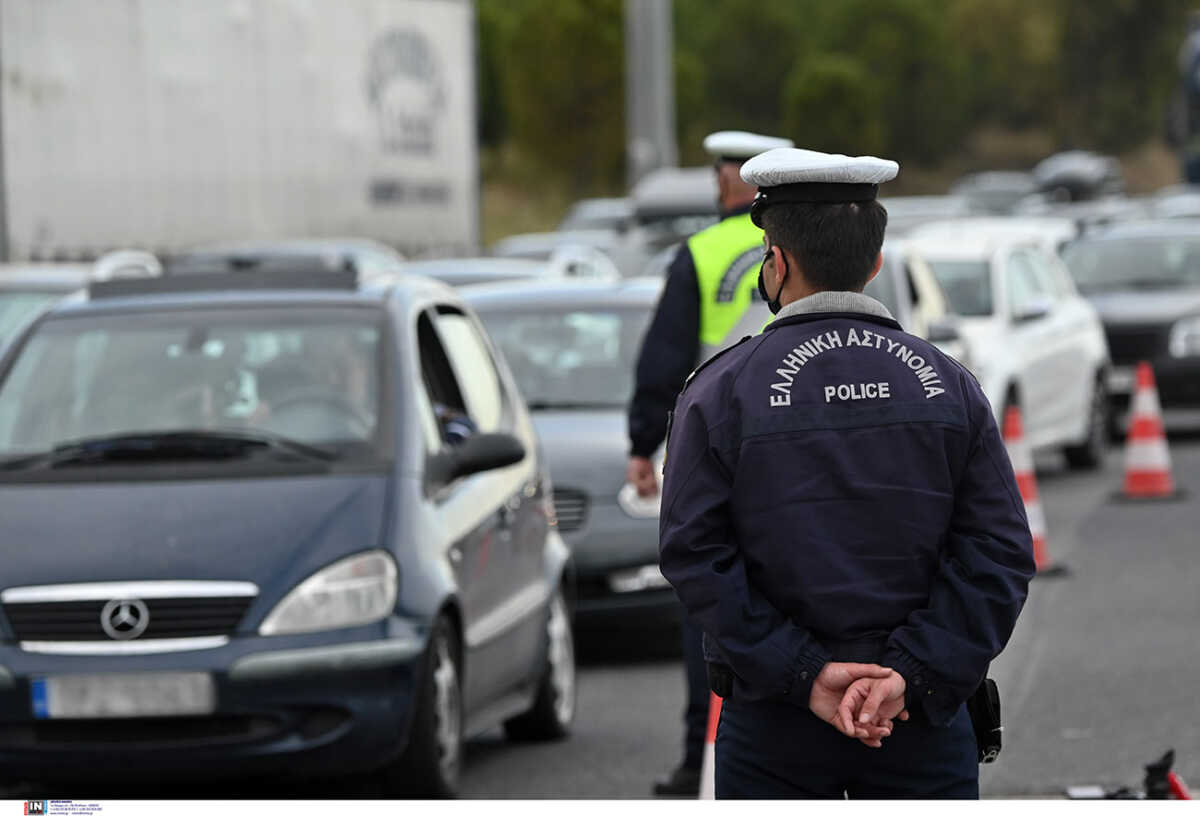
[[739, 145], [790, 175]]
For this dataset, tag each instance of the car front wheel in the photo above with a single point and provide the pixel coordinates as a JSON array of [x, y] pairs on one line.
[[432, 760], [553, 711], [1089, 455]]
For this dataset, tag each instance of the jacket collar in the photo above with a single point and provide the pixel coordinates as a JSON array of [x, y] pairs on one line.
[[842, 302]]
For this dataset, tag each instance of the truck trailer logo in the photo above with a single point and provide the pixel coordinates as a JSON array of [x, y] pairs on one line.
[[406, 90]]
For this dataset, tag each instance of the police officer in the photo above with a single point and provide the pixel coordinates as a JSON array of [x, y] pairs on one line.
[[708, 302], [840, 517]]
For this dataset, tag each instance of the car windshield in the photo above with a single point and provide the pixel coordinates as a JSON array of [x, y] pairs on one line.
[[572, 357], [301, 375], [18, 306], [967, 285], [1168, 262]]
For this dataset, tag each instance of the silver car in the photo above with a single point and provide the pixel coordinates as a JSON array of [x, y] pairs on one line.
[[572, 346]]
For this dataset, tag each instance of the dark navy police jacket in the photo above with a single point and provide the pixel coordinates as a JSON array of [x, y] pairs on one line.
[[835, 482]]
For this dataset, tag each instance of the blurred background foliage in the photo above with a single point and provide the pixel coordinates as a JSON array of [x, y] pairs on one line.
[[943, 86]]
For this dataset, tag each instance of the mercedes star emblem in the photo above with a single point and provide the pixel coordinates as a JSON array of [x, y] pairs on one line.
[[124, 619]]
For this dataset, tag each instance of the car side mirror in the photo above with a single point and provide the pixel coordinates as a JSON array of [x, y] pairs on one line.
[[1034, 310], [943, 330], [475, 454]]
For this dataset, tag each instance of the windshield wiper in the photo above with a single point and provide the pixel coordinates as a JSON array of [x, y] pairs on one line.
[[165, 446]]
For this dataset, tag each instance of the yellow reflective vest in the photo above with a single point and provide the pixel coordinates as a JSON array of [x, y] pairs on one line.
[[727, 256]]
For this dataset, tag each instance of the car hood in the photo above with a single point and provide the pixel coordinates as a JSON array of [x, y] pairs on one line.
[[586, 450], [1141, 307], [273, 532]]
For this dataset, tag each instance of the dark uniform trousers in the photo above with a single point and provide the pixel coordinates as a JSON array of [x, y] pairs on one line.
[[695, 714], [775, 750]]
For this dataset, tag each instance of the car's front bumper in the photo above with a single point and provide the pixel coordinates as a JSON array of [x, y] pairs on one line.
[[328, 703]]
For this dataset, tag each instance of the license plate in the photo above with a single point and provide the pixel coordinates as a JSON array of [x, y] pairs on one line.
[[148, 694], [1120, 380]]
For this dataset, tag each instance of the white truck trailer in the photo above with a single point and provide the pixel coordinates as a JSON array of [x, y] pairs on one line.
[[160, 124]]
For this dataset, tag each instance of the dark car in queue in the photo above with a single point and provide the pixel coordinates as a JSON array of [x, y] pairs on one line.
[[271, 524], [27, 289], [1144, 280], [572, 347]]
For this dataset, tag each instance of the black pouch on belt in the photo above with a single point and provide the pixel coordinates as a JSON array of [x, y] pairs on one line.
[[720, 679], [984, 708]]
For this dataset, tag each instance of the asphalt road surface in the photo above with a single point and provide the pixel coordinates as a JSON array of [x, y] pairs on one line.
[[1098, 680]]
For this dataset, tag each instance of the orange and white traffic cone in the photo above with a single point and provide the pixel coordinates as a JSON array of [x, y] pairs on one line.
[[708, 768], [1147, 461], [1021, 456]]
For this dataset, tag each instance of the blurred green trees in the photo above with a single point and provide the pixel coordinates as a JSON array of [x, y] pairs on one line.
[[909, 79]]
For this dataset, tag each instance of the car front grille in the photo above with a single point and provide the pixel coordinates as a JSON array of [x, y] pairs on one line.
[[168, 618], [571, 507], [1131, 344]]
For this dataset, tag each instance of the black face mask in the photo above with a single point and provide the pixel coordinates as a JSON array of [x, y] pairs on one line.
[[773, 304]]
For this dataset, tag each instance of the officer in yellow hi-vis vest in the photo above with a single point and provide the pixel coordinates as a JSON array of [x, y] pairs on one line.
[[710, 301]]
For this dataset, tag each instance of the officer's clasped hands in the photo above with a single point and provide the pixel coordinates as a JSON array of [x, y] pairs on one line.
[[859, 699]]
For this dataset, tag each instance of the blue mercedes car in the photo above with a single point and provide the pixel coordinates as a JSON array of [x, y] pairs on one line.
[[272, 521]]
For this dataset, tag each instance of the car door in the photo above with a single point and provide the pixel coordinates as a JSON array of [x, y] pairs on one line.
[[1069, 347], [509, 638], [1029, 304], [463, 508]]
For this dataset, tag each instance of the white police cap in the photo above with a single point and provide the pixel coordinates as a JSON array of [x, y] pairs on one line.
[[790, 175], [738, 145]]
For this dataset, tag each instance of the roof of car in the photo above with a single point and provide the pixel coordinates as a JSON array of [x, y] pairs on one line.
[[671, 191], [1157, 228], [45, 277], [964, 246], [998, 227], [643, 291], [539, 245], [142, 297], [293, 246]]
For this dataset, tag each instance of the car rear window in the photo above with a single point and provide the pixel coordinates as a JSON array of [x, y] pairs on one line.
[[967, 286], [570, 358]]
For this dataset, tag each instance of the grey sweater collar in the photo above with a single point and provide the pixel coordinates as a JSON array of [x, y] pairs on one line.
[[835, 302]]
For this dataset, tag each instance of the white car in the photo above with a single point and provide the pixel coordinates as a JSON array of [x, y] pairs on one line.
[[1028, 337]]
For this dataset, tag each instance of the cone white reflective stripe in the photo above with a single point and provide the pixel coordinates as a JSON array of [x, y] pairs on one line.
[[1020, 456], [1145, 403], [708, 782], [708, 767], [1037, 519], [1147, 454]]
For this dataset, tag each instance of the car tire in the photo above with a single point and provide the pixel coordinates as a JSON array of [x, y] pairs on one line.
[[431, 762], [553, 710], [1089, 455]]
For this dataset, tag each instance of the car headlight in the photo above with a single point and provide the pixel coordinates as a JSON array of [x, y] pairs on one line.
[[357, 590], [633, 504], [1185, 337]]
